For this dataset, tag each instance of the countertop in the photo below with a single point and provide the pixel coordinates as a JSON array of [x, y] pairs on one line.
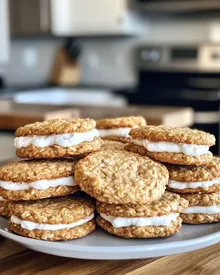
[[15, 259]]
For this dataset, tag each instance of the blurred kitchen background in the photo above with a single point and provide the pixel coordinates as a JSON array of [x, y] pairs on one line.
[[108, 58]]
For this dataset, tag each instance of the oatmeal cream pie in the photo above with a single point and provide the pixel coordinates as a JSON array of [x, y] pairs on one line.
[[158, 219], [37, 179], [121, 177], [195, 179], [57, 138], [203, 208], [56, 219], [118, 128], [172, 145]]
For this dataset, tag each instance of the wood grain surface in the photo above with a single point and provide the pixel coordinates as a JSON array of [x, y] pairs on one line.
[[15, 259]]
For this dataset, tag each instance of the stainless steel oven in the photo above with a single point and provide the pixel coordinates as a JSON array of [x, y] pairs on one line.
[[182, 76]]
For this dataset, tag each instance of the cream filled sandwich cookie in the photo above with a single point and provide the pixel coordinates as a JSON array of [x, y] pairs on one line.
[[37, 179], [203, 208], [56, 219], [121, 177], [172, 145], [195, 179], [57, 138], [155, 220], [117, 129]]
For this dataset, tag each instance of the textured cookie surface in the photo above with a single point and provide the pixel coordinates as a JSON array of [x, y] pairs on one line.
[[207, 172], [200, 218], [141, 231], [168, 203], [34, 170], [173, 158], [63, 210], [119, 122], [57, 126], [57, 151], [55, 235], [202, 199], [112, 145], [121, 177], [173, 134], [34, 194]]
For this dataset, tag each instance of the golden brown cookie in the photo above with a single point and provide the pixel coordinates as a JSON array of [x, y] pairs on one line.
[[183, 146], [112, 145], [120, 122], [117, 129], [195, 179], [121, 177], [141, 231], [203, 208], [57, 138], [156, 219], [37, 179], [63, 218], [56, 126]]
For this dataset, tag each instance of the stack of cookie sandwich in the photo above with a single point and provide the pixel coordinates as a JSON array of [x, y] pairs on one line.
[[200, 185], [193, 172], [128, 182], [130, 193], [36, 192]]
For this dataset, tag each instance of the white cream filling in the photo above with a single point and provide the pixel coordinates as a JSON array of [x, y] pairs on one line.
[[183, 185], [39, 185], [2, 199], [162, 146], [214, 209], [121, 132], [43, 226], [149, 221], [64, 140]]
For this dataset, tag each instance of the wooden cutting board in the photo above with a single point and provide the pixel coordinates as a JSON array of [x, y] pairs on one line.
[[12, 117], [155, 115]]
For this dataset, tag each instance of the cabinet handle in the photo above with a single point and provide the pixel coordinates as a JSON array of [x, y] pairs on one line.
[[44, 15]]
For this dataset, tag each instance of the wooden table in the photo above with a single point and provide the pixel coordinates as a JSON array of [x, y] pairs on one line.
[[15, 259]]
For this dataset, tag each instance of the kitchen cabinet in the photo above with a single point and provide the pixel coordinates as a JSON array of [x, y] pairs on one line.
[[93, 17], [29, 17]]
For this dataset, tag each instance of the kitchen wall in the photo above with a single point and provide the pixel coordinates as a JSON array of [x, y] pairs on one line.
[[31, 61], [106, 61]]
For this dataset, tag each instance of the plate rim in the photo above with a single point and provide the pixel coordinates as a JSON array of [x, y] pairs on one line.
[[62, 245]]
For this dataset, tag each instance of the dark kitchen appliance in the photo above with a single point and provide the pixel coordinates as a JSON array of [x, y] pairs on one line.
[[177, 6], [182, 76]]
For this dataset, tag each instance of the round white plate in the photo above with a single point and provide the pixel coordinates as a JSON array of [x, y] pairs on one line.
[[103, 246]]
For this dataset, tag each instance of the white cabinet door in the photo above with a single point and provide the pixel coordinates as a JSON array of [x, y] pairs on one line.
[[86, 17], [4, 32]]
